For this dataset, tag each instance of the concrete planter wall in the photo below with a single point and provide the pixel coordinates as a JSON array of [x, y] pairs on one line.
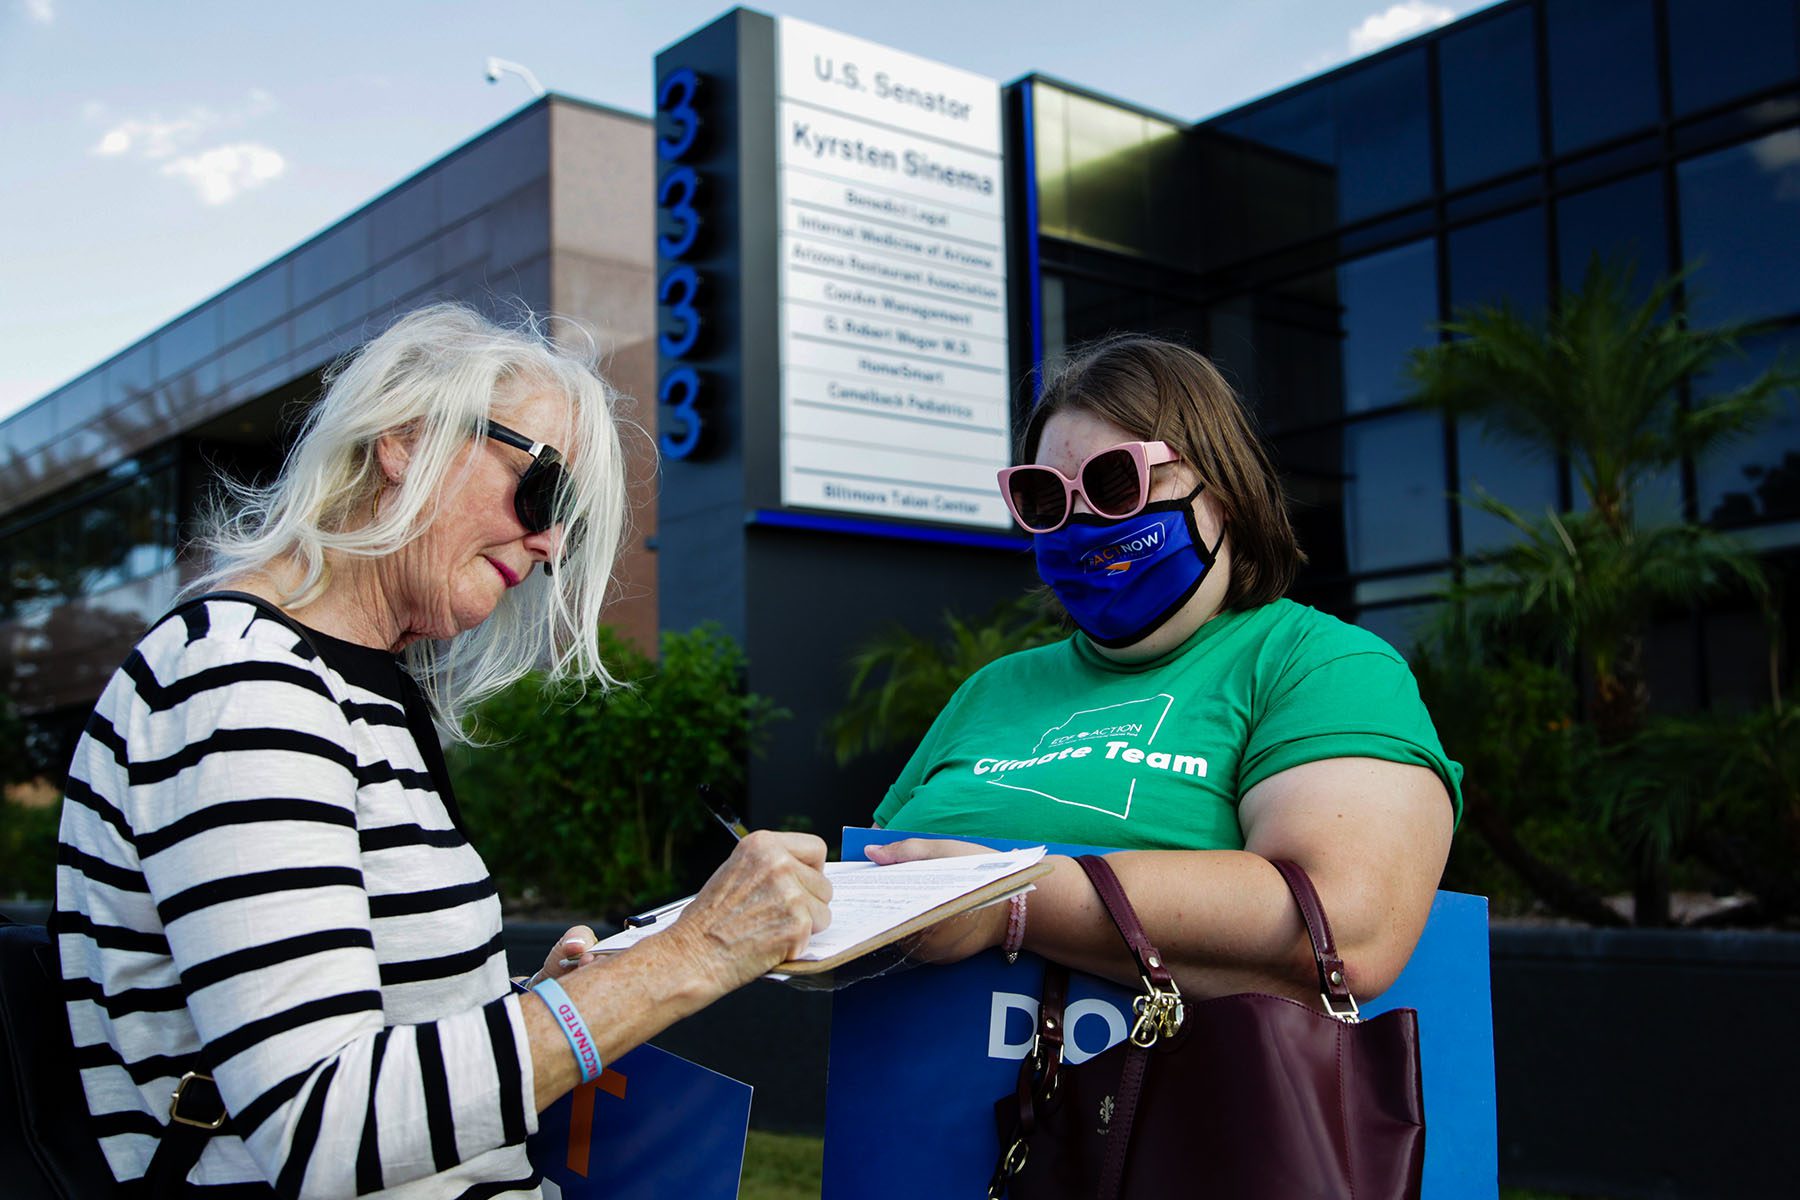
[[1630, 1063], [1642, 1063]]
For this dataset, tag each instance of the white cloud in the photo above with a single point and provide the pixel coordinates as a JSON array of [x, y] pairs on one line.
[[1402, 20], [1778, 151], [41, 11], [153, 137], [220, 174]]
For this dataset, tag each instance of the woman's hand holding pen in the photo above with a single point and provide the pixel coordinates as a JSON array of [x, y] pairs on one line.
[[759, 908]]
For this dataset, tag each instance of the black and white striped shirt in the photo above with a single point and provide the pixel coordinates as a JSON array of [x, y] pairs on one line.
[[259, 878]]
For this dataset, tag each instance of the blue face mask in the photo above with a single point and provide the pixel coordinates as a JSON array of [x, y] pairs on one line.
[[1122, 580]]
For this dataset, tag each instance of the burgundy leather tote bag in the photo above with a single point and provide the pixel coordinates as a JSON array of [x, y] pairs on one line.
[[1246, 1096]]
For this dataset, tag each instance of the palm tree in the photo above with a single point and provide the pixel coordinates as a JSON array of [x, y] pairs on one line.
[[1598, 382], [901, 680]]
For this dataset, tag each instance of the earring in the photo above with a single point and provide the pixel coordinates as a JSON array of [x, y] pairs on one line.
[[375, 506]]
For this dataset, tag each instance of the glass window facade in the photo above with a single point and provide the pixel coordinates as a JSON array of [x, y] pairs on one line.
[[1483, 164], [99, 536], [1603, 70], [1513, 474], [1396, 510], [1718, 54], [1488, 94], [1390, 308], [1755, 478], [1740, 221], [1366, 132], [1500, 262], [1620, 222]]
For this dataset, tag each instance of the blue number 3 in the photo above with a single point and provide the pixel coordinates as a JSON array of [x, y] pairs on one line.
[[676, 97], [683, 184], [680, 288], [686, 382]]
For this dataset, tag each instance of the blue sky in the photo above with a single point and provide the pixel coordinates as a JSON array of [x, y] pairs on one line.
[[154, 153]]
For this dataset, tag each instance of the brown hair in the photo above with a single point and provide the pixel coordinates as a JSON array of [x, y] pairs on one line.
[[1163, 392]]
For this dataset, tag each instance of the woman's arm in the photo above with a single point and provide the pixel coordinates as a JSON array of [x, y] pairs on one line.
[[758, 909], [1373, 835]]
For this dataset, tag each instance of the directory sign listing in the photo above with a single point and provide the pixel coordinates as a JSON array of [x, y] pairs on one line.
[[894, 376]]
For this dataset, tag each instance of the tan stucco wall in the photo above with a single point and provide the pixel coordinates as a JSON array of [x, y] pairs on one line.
[[603, 275]]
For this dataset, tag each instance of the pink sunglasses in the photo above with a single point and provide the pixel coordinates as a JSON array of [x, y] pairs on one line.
[[1115, 482]]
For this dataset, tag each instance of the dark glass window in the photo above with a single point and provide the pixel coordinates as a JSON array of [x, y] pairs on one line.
[[1399, 625], [494, 165], [1512, 473], [1602, 69], [521, 225], [1298, 123], [1291, 374], [1383, 136], [1717, 54], [1093, 308], [1621, 222], [1755, 478], [106, 531], [1312, 471], [1487, 79], [1390, 308], [1370, 127], [406, 217], [254, 304], [1740, 213], [1395, 512], [335, 313], [1501, 261], [129, 376], [192, 339], [329, 260]]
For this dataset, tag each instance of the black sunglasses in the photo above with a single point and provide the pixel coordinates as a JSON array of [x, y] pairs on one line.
[[541, 496]]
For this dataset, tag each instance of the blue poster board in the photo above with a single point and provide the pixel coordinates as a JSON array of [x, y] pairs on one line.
[[653, 1125], [918, 1058]]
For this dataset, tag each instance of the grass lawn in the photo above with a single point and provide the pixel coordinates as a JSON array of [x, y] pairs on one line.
[[782, 1166], [786, 1166]]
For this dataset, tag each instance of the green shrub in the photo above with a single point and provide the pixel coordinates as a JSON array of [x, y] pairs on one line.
[[585, 801], [28, 850]]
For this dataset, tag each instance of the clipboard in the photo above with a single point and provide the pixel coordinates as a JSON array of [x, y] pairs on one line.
[[885, 921]]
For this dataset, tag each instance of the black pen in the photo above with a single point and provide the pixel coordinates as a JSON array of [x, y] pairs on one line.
[[733, 824], [716, 805]]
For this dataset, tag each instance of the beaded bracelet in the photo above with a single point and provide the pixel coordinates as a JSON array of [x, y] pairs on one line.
[[1015, 928], [587, 1056]]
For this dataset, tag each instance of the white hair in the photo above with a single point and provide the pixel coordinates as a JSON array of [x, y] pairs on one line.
[[436, 375]]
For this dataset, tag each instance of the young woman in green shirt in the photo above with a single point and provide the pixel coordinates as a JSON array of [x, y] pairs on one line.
[[1196, 719]]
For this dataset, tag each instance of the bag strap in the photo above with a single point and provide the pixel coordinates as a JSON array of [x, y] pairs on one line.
[[1154, 1019], [196, 1109], [1125, 919], [1334, 988]]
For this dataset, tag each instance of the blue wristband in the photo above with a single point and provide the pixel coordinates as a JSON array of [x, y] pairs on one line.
[[587, 1056]]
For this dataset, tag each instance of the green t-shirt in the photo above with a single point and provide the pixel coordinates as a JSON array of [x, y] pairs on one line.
[[1061, 744]]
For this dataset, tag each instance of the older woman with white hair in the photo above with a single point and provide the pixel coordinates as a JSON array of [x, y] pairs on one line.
[[265, 901]]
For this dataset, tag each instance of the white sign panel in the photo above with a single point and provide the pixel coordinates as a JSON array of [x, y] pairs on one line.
[[894, 388]]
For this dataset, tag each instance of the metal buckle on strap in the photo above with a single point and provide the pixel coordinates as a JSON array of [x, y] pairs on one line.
[[1349, 1016], [175, 1104], [1159, 1013]]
